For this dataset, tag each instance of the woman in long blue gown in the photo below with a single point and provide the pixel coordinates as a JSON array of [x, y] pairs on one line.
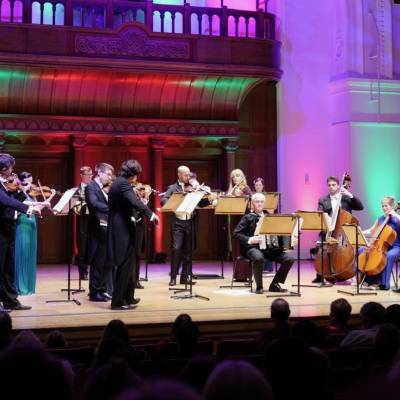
[[26, 243]]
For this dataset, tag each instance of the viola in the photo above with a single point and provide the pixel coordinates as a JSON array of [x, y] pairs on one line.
[[144, 191], [44, 191]]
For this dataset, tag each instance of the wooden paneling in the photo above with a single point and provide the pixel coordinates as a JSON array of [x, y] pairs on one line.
[[207, 172], [52, 230]]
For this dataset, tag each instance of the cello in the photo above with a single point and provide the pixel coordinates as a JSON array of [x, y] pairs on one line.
[[335, 257], [373, 260]]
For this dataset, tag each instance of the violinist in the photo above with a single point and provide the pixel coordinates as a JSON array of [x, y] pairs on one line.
[[252, 247], [82, 224], [143, 193], [183, 233], [258, 185], [26, 237], [97, 202], [238, 184], [328, 203], [10, 203], [382, 281]]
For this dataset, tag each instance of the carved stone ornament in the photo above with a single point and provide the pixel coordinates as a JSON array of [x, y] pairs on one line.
[[132, 42]]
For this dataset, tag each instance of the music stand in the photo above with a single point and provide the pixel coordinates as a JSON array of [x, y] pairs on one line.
[[271, 203], [356, 237], [316, 221], [64, 208], [185, 203], [282, 225], [230, 205]]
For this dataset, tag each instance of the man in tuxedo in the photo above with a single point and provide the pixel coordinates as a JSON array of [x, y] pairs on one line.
[[329, 202], [10, 204], [253, 247], [97, 202], [121, 235], [82, 224], [183, 238]]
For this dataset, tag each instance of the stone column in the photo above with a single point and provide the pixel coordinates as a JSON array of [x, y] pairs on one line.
[[230, 146], [78, 144]]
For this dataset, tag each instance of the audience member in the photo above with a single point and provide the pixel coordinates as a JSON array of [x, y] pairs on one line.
[[56, 340], [5, 330]]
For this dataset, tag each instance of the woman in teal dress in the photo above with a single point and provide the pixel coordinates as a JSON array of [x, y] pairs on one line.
[[26, 242]]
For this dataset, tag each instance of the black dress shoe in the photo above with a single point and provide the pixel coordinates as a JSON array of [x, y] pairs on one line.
[[317, 279], [135, 301], [98, 297], [259, 290], [106, 295], [17, 306], [275, 287], [172, 282], [139, 285], [124, 307]]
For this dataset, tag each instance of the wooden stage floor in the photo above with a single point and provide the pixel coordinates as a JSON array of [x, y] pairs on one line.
[[157, 307]]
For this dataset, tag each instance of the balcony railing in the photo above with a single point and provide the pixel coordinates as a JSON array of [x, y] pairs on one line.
[[101, 14]]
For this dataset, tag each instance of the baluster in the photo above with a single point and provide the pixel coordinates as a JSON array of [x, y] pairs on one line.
[[162, 14], [83, 15], [54, 9], [247, 26], [186, 20], [223, 21], [199, 21], [236, 26], [12, 3], [210, 17], [41, 13], [173, 22]]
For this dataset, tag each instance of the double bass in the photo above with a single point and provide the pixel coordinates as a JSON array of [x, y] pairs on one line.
[[335, 258]]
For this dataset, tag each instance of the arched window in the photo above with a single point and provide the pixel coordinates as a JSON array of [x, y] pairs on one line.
[[140, 16], [231, 26], [178, 23], [48, 14], [205, 27], [77, 16], [156, 21], [252, 28], [216, 26], [167, 22], [194, 24], [35, 12], [59, 14], [18, 11], [6, 11], [242, 26]]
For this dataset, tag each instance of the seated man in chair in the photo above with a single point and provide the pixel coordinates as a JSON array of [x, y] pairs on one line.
[[260, 248]]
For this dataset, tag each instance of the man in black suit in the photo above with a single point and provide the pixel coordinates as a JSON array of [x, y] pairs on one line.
[[97, 202], [121, 233], [328, 203], [182, 238], [10, 203], [82, 224], [253, 247]]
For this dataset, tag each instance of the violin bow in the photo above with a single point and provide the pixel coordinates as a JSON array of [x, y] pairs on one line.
[[41, 190]]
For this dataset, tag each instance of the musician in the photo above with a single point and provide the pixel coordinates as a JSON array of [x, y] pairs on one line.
[[238, 184], [183, 238], [10, 203], [250, 247], [382, 280], [26, 238], [97, 202], [258, 185], [121, 246], [329, 202], [82, 224]]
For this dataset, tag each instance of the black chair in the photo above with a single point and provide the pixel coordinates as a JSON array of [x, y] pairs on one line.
[[249, 282]]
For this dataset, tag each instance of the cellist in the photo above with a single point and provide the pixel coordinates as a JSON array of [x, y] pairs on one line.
[[328, 203], [382, 281]]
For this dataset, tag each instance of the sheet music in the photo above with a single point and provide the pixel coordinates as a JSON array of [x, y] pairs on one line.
[[190, 202], [62, 207], [294, 237]]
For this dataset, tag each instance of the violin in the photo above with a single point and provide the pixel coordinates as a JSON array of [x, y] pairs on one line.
[[44, 191], [143, 190]]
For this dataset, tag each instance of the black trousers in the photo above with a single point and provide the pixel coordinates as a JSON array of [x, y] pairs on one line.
[[8, 292], [125, 279], [98, 268], [139, 245], [82, 229], [258, 258], [182, 247]]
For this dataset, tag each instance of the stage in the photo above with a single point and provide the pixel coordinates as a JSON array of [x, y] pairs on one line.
[[235, 311]]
